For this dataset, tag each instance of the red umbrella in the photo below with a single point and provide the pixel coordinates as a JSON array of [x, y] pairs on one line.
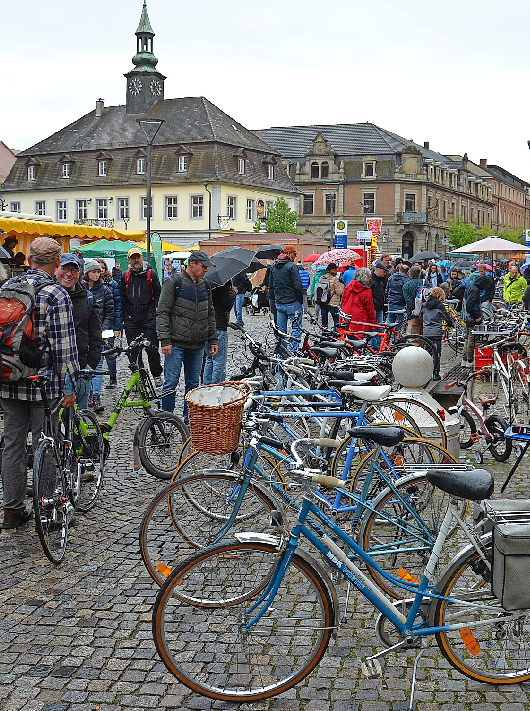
[[311, 258], [336, 256]]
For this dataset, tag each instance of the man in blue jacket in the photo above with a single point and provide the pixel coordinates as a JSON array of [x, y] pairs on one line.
[[306, 278], [394, 293], [288, 293]]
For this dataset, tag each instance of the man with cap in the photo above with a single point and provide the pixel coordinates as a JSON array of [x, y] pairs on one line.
[[185, 322], [378, 287], [288, 293], [140, 291], [21, 401]]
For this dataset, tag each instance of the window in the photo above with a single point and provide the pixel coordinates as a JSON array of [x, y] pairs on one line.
[[330, 203], [102, 168], [81, 209], [171, 207], [197, 206], [124, 211], [31, 172], [143, 208], [102, 208], [65, 170], [250, 210], [410, 202], [369, 203], [183, 164], [241, 166], [308, 204], [315, 170], [61, 210], [140, 166], [369, 170], [324, 170], [40, 207], [269, 204], [14, 207], [231, 207], [270, 171]]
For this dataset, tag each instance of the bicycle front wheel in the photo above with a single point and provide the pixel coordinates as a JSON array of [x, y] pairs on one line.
[[160, 440], [89, 448], [50, 501], [201, 613], [195, 512], [494, 647]]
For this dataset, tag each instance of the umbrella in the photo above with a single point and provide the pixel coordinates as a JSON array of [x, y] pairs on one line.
[[420, 256], [491, 245], [4, 255], [269, 251], [177, 255], [231, 262], [464, 264], [337, 256], [311, 258], [107, 248]]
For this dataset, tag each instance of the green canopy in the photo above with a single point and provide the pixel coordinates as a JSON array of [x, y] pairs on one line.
[[106, 248]]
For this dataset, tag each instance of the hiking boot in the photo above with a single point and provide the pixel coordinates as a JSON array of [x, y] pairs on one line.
[[112, 382], [13, 518], [98, 407]]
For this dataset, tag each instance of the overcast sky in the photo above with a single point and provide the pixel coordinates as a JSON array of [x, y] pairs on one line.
[[455, 73]]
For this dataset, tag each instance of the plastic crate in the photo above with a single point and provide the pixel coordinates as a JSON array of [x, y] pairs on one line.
[[484, 357]]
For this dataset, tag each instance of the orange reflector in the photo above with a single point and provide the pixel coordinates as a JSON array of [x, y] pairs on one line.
[[399, 461], [468, 638], [162, 568], [406, 576], [399, 416]]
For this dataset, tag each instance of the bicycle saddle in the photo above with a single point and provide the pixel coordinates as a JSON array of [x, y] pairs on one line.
[[342, 383], [386, 435], [326, 352], [355, 343], [371, 394], [332, 344], [372, 334], [474, 485], [486, 400], [350, 377]]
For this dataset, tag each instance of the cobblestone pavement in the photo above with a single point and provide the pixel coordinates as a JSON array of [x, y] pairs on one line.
[[77, 637]]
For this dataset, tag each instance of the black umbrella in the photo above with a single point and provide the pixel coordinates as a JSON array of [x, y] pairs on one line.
[[269, 251], [4, 255], [231, 262], [464, 264], [420, 256]]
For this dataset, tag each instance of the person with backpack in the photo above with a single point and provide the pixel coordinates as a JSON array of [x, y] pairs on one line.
[[410, 289], [306, 279], [288, 293], [42, 310], [140, 291], [215, 364], [514, 286], [433, 314], [185, 322], [329, 291]]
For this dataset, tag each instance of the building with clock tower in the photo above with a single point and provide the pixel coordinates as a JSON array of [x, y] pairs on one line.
[[145, 84]]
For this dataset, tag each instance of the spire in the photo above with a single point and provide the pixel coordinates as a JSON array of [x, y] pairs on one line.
[[145, 84], [144, 28]]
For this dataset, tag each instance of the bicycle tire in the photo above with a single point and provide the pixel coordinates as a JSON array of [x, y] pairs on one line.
[[466, 421], [520, 393], [93, 451], [428, 421], [50, 501], [487, 384], [400, 544], [500, 652], [210, 595], [189, 514], [160, 440], [502, 448]]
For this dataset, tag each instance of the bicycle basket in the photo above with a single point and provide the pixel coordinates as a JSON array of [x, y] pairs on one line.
[[215, 415]]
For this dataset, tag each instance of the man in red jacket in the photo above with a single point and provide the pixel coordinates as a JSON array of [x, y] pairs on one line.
[[357, 300]]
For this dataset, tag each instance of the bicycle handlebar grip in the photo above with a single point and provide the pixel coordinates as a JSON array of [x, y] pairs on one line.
[[293, 368], [276, 443], [324, 480], [306, 361], [327, 443]]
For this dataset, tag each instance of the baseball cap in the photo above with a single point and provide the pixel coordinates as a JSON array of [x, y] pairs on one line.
[[200, 256], [70, 258], [134, 250], [380, 265]]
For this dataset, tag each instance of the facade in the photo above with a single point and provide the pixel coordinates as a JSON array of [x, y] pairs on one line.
[[210, 175], [7, 160], [356, 171]]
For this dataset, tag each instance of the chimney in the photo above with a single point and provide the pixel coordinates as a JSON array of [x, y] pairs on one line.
[[99, 108], [484, 163], [426, 144]]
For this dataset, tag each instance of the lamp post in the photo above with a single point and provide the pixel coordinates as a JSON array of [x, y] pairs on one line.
[[150, 127]]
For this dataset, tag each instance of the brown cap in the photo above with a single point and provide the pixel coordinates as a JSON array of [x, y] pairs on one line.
[[44, 250], [289, 249], [134, 250]]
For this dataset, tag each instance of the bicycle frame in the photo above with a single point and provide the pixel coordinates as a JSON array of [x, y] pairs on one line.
[[136, 379]]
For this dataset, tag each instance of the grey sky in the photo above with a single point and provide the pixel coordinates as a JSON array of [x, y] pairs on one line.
[[452, 73]]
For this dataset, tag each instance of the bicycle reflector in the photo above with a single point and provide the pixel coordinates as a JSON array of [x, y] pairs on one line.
[[441, 412]]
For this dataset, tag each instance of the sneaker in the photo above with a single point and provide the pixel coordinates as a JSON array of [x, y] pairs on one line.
[[13, 518], [98, 407], [436, 376], [112, 382], [159, 381]]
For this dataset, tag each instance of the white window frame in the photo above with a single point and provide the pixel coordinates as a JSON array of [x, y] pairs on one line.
[[182, 164], [171, 204], [140, 166], [270, 171], [197, 205], [367, 163], [251, 210], [231, 207], [40, 207], [415, 201], [65, 170], [81, 209], [15, 206], [102, 208], [32, 173], [102, 168], [269, 204], [241, 166], [61, 210], [143, 207], [124, 208], [374, 194]]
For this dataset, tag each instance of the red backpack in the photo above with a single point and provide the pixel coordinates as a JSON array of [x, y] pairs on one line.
[[149, 276]]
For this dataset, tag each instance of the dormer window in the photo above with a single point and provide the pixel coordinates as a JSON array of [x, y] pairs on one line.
[[140, 166], [241, 167], [102, 168], [315, 170], [324, 170], [65, 170], [270, 171], [369, 169], [31, 172], [182, 164]]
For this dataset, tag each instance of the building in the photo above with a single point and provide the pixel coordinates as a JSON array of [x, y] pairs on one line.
[[355, 171], [210, 175], [7, 160]]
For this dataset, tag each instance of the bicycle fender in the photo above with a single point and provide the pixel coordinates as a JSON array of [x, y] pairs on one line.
[[254, 537], [327, 580]]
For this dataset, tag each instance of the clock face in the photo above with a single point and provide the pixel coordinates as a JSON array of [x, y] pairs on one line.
[[156, 87], [135, 86]]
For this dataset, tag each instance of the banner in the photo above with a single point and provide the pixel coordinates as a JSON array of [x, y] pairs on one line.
[[340, 240], [156, 247], [375, 225]]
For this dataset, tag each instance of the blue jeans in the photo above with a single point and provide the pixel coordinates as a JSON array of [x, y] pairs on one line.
[[82, 391], [394, 318], [215, 366], [192, 360], [238, 307], [97, 382], [290, 312], [332, 311]]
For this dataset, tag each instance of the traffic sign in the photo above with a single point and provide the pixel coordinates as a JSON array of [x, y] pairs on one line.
[[364, 236]]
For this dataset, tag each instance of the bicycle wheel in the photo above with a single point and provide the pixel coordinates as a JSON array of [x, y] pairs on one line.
[[520, 394], [495, 647], [160, 439], [427, 422], [200, 613], [89, 451], [400, 531], [192, 513], [467, 429], [487, 384], [50, 501], [501, 446]]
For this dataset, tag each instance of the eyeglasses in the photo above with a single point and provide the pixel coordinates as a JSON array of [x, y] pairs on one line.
[[69, 268]]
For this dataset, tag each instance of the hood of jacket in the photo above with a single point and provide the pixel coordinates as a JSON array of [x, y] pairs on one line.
[[279, 263], [357, 286], [432, 302], [482, 282]]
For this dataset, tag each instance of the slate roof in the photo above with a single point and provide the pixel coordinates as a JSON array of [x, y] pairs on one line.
[[506, 177]]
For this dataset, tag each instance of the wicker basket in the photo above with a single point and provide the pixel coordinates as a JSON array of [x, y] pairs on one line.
[[215, 415]]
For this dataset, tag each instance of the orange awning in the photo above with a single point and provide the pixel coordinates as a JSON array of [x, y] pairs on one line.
[[15, 227]]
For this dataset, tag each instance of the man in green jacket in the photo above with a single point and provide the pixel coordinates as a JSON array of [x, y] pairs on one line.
[[185, 321], [514, 286]]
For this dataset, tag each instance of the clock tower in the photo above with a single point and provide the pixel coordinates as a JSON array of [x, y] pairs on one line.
[[145, 84]]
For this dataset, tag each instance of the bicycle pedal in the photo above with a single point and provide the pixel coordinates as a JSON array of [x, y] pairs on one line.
[[371, 669]]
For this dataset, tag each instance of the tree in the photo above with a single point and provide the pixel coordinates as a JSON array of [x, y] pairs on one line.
[[513, 235], [461, 233], [280, 218]]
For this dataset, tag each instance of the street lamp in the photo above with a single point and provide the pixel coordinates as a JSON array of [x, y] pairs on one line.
[[126, 220], [150, 127]]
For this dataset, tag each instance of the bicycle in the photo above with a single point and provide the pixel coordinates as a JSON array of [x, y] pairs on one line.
[[62, 471], [159, 436], [261, 612]]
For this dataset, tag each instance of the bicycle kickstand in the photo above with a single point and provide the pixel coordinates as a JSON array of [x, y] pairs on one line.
[[414, 672], [344, 617]]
